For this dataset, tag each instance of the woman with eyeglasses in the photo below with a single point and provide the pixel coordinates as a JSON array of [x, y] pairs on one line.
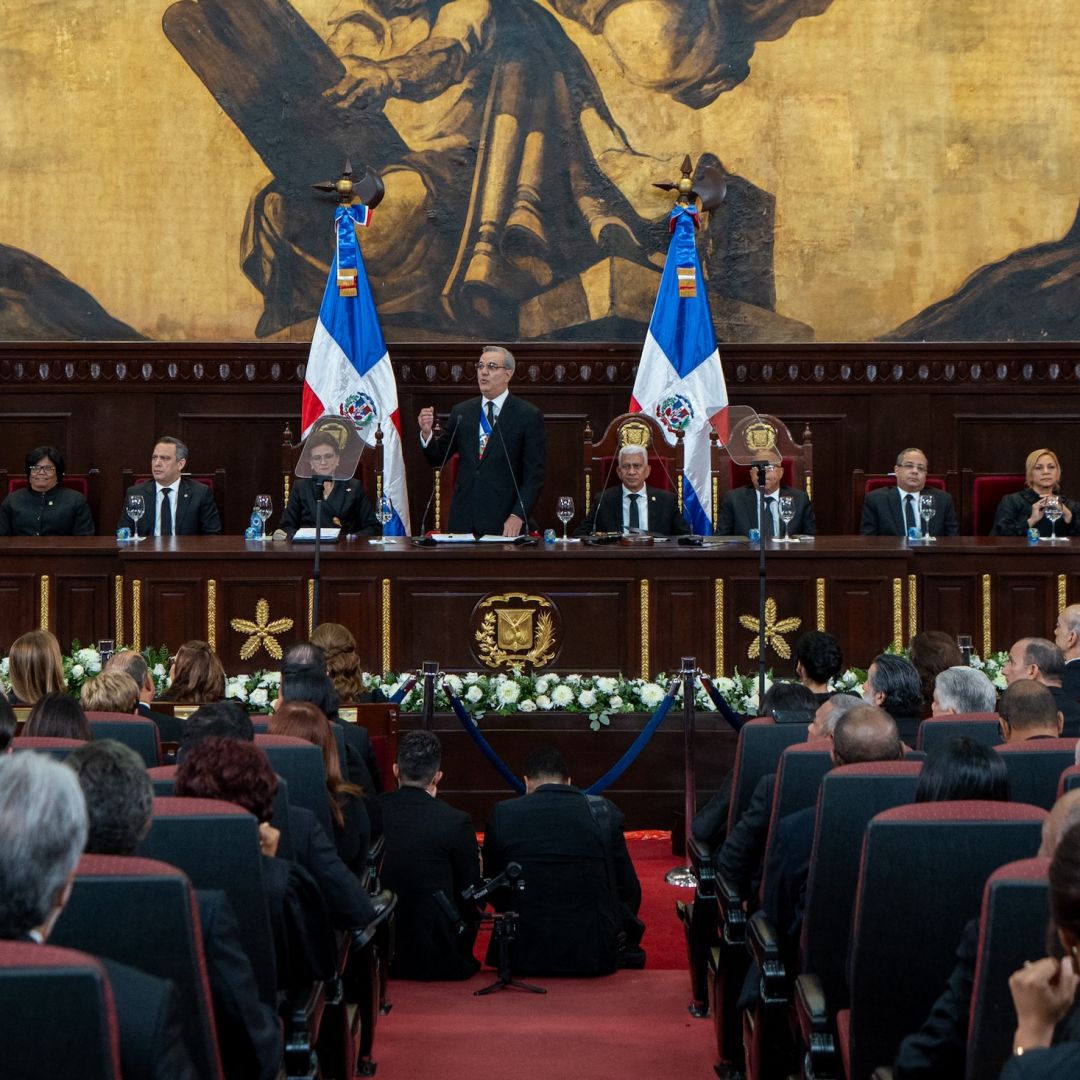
[[345, 505], [1028, 509], [44, 507]]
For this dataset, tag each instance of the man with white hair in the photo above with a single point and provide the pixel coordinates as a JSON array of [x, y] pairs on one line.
[[634, 506], [1067, 639], [959, 690], [43, 829]]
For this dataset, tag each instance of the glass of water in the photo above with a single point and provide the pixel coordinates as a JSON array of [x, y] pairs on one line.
[[264, 507], [564, 511], [926, 511], [786, 506], [384, 514], [1053, 513], [135, 507]]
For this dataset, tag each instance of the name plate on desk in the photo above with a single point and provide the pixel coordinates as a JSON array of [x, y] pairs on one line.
[[326, 536]]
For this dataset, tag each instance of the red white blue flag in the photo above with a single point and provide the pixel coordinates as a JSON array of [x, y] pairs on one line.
[[679, 378], [348, 370]]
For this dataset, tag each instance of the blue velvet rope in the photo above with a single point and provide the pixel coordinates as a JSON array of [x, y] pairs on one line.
[[469, 724], [736, 720], [398, 696]]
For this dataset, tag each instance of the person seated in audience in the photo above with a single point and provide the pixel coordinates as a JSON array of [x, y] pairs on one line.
[[431, 858], [892, 511], [1027, 711], [739, 510], [228, 719], [930, 653], [352, 830], [893, 684], [43, 829], [634, 506], [1025, 510], [109, 691], [578, 911], [1067, 639], [818, 660], [238, 772], [863, 733], [962, 768], [45, 507], [8, 724], [196, 675], [35, 667], [1041, 660], [57, 716], [343, 663], [119, 803], [174, 504], [1046, 1042], [135, 666], [961, 689], [345, 505]]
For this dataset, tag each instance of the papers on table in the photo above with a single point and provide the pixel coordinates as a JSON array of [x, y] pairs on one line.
[[326, 536]]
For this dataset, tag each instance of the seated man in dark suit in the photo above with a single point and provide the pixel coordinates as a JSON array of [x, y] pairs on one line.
[[431, 858], [134, 664], [581, 893], [893, 684], [1067, 639], [1027, 710], [739, 510], [891, 511], [1041, 661], [43, 830], [119, 802], [173, 505], [634, 506]]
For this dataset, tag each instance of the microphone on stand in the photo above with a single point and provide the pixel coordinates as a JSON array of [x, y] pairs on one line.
[[524, 540], [426, 541]]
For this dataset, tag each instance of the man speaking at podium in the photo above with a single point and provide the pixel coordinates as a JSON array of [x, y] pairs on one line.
[[500, 449]]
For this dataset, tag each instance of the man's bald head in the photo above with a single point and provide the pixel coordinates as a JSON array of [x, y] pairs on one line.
[[866, 733], [1027, 709], [1064, 814]]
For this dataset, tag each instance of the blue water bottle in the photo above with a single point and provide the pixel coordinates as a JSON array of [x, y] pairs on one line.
[[254, 531]]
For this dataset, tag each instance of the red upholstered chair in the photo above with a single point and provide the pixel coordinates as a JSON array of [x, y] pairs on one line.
[[921, 879], [107, 916], [982, 493], [215, 481], [862, 483], [1012, 930], [140, 733], [1035, 767], [380, 718], [982, 727], [87, 484], [43, 744], [301, 765], [84, 1043], [1069, 779]]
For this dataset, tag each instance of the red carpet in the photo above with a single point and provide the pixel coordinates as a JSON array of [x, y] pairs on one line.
[[628, 1025], [664, 942]]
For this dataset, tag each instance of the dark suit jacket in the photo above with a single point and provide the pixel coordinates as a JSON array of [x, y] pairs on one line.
[[743, 851], [249, 1033], [193, 515], [738, 513], [484, 495], [1070, 711], [882, 514], [169, 727], [1070, 679], [786, 875], [1011, 518], [430, 847], [347, 507], [60, 511], [606, 513], [570, 914]]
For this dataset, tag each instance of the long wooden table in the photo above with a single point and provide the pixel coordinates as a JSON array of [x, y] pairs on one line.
[[573, 607]]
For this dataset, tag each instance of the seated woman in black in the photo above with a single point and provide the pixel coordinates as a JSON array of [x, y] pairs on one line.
[[1026, 509], [45, 507], [345, 505]]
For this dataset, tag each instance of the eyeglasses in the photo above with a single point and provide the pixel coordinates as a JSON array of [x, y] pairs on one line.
[[912, 465], [43, 469], [490, 367]]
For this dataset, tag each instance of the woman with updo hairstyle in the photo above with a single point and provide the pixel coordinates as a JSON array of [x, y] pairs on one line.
[[931, 652], [1024, 510], [35, 667], [1046, 1043], [352, 829], [196, 675], [342, 662], [57, 716]]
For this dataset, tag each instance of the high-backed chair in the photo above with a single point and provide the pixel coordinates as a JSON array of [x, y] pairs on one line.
[[936, 730], [1069, 779], [81, 1044], [982, 493], [369, 469], [1035, 767], [921, 879], [862, 483], [106, 915], [798, 459], [380, 718], [301, 764], [134, 731], [87, 484], [1012, 931], [215, 481], [757, 752], [45, 744]]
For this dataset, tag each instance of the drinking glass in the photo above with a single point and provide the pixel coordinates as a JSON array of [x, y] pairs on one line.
[[264, 507], [384, 514], [786, 507], [1052, 511], [926, 512], [564, 511], [135, 507]]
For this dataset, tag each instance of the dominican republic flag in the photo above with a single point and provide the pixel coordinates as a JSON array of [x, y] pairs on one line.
[[679, 378], [348, 368]]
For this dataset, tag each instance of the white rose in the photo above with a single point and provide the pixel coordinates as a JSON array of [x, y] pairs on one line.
[[615, 701], [544, 702], [574, 679], [259, 696], [527, 705], [562, 696], [77, 671], [455, 683], [271, 678], [159, 671], [507, 693], [471, 678], [607, 685], [587, 699], [543, 684], [474, 693]]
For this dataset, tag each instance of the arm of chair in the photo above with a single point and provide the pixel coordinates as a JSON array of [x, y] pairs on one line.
[[701, 859], [815, 1030], [301, 1010], [765, 947], [732, 905]]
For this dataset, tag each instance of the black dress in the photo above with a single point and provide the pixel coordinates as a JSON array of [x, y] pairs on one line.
[[60, 511], [1014, 510]]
